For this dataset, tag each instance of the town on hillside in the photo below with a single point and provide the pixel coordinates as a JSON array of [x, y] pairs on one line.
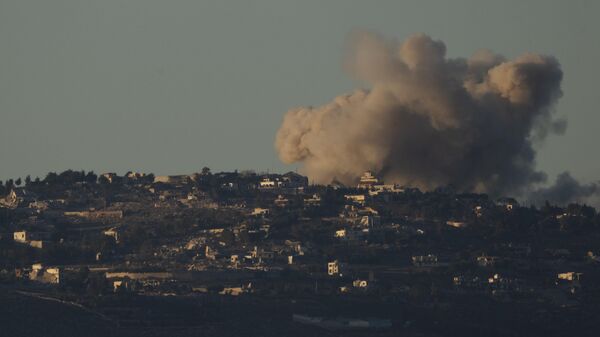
[[263, 254]]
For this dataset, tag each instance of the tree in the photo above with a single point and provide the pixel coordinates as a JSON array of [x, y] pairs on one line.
[[103, 180], [27, 180], [70, 177], [51, 178], [150, 177], [91, 177], [581, 210]]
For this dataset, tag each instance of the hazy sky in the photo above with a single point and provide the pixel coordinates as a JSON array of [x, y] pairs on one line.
[[172, 86]]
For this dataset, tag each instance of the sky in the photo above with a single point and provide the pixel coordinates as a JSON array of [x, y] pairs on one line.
[[172, 86]]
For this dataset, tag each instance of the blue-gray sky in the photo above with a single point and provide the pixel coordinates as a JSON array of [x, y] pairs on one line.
[[172, 86]]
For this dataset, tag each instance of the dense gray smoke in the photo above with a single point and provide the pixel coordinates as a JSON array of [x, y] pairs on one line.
[[430, 121], [565, 190]]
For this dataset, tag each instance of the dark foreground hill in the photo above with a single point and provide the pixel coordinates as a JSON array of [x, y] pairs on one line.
[[28, 316]]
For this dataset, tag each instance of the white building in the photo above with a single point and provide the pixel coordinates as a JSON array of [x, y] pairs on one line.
[[315, 200], [110, 177], [356, 198], [260, 212], [351, 234], [282, 201], [21, 236], [486, 261], [429, 260], [340, 233], [267, 183], [335, 268], [367, 180], [44, 275], [35, 240], [456, 224], [360, 284], [569, 276], [370, 221], [113, 233], [380, 189]]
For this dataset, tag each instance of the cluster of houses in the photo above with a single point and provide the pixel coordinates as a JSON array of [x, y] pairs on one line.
[[355, 244]]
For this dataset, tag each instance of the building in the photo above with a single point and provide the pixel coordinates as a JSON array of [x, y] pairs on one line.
[[260, 212], [340, 233], [360, 284], [350, 234], [335, 268], [17, 197], [385, 189], [486, 261], [22, 236], [113, 233], [569, 276], [281, 201], [290, 180], [136, 177], [313, 201], [39, 244], [368, 180], [261, 254], [34, 239], [479, 211], [39, 205], [267, 183], [355, 198], [110, 177], [507, 203], [236, 291], [370, 221], [295, 247], [181, 179], [210, 254], [96, 215], [39, 273], [293, 180], [429, 260], [121, 285], [456, 224]]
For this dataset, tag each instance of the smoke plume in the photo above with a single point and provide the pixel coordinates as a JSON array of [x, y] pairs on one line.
[[565, 190], [428, 120]]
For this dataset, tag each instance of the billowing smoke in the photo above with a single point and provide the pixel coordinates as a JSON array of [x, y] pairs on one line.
[[428, 120], [565, 190]]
